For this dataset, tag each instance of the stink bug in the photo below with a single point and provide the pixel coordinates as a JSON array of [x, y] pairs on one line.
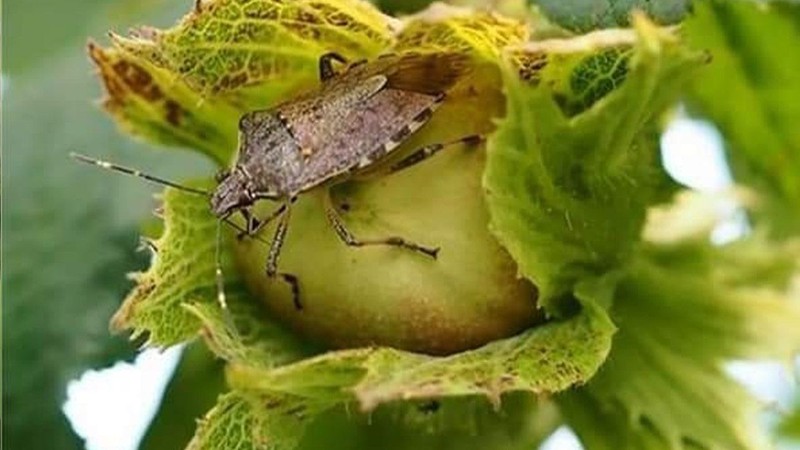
[[348, 127]]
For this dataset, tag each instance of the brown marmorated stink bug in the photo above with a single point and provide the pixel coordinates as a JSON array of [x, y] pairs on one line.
[[348, 127]]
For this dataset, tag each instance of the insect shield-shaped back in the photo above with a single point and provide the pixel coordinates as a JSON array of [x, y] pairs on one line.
[[351, 122], [360, 116]]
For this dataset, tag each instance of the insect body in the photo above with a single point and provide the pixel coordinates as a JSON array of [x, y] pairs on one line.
[[349, 126]]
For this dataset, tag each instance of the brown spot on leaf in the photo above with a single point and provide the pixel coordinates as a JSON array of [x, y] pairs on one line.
[[174, 112], [530, 64], [228, 82]]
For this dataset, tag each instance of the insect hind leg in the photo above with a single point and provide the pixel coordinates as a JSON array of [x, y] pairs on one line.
[[348, 238], [427, 151]]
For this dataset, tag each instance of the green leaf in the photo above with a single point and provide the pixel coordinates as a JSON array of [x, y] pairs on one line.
[[684, 310], [183, 271], [522, 422], [568, 195], [278, 405], [750, 71], [602, 426], [194, 388], [148, 102], [225, 45], [443, 28], [587, 15]]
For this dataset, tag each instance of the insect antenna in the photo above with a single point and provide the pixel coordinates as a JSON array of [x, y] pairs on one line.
[[221, 299], [220, 281], [136, 173]]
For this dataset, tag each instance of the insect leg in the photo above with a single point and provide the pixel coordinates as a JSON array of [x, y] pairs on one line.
[[348, 238], [254, 225], [274, 253], [326, 71], [430, 150]]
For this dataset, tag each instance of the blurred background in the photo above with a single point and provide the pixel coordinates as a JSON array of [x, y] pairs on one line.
[[71, 232]]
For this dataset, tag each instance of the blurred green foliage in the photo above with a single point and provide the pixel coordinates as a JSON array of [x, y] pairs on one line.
[[69, 232], [198, 380], [751, 92]]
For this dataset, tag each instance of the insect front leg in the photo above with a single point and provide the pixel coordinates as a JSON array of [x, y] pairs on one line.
[[274, 253], [348, 238], [429, 150], [326, 71], [254, 225]]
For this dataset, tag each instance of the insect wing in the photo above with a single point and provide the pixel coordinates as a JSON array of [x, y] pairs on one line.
[[367, 112]]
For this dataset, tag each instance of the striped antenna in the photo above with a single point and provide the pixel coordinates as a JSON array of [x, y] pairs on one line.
[[221, 299], [136, 173]]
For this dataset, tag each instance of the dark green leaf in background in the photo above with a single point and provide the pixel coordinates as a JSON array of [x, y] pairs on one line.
[[69, 232], [198, 380], [586, 15]]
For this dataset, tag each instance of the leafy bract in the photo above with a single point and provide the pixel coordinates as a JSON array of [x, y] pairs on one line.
[[443, 28], [568, 195], [224, 45], [686, 309], [149, 102], [587, 15], [279, 404], [542, 360], [456, 424], [749, 91], [177, 297]]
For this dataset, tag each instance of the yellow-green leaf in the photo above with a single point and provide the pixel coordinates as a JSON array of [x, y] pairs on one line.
[[225, 45], [446, 28], [149, 102]]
